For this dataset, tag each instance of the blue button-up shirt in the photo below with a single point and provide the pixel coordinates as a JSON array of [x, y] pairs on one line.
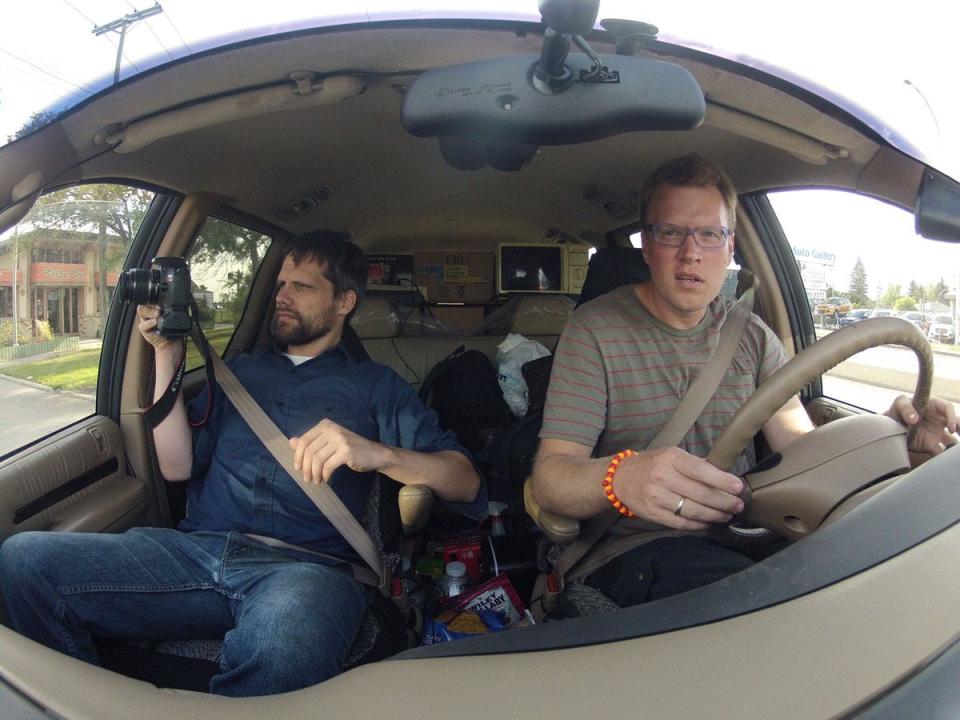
[[238, 485]]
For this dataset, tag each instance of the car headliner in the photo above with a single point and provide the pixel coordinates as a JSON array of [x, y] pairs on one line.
[[201, 44]]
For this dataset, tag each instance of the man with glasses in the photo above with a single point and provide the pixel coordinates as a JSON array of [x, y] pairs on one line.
[[622, 365]]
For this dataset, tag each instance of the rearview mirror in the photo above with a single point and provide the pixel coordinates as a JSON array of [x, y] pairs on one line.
[[496, 99]]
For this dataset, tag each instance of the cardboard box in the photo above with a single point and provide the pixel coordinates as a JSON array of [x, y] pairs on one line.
[[460, 320], [577, 262], [465, 277], [389, 272]]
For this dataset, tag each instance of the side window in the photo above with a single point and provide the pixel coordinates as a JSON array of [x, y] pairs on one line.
[[861, 258], [223, 260], [58, 272]]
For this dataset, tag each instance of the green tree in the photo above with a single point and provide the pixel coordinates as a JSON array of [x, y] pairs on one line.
[[905, 304], [937, 291], [224, 242], [890, 296], [915, 290], [858, 285], [36, 121]]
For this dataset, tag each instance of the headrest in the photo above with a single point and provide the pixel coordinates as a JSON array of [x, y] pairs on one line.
[[375, 318], [541, 315], [611, 267]]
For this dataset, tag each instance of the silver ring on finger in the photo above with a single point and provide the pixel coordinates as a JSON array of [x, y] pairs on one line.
[[679, 507]]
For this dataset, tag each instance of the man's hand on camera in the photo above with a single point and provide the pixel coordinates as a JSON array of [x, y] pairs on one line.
[[147, 317]]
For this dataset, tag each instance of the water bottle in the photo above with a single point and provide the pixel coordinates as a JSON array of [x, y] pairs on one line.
[[454, 580]]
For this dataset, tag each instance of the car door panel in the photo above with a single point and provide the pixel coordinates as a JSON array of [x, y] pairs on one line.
[[76, 479]]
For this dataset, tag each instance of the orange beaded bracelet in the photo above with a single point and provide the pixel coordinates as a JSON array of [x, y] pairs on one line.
[[608, 484]]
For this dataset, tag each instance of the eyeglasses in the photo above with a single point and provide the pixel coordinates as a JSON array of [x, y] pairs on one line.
[[708, 237]]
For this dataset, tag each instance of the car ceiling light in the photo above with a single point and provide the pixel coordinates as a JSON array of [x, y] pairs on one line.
[[304, 91], [797, 144], [302, 205]]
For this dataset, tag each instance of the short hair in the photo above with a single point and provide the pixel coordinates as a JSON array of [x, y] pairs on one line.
[[691, 170], [342, 260]]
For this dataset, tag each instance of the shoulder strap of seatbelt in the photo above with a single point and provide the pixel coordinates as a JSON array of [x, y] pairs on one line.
[[322, 495], [683, 418]]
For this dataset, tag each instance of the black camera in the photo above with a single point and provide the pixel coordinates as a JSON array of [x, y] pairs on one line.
[[166, 284]]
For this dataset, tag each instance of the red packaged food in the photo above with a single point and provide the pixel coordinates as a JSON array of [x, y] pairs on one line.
[[468, 551], [497, 595]]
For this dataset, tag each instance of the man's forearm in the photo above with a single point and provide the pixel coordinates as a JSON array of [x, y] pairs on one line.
[[570, 485], [172, 438], [448, 473]]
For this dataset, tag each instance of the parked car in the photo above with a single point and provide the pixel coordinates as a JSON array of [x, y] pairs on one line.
[[855, 316], [917, 318], [942, 330], [883, 312], [834, 308], [426, 138]]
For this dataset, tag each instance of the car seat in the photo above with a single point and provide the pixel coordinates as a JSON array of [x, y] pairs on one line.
[[390, 513]]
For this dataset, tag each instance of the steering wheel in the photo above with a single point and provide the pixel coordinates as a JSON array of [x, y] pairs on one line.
[[833, 462], [823, 355]]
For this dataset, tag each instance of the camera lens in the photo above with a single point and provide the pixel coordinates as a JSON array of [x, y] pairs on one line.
[[140, 286]]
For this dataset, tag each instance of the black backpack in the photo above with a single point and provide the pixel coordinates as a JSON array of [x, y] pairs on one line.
[[507, 460], [464, 391]]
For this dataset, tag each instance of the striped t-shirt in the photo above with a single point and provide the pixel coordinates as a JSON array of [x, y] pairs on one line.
[[619, 373]]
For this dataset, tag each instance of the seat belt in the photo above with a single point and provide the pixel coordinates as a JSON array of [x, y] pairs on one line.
[[322, 495], [671, 434]]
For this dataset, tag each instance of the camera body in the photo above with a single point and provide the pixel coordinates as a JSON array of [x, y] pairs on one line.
[[167, 284]]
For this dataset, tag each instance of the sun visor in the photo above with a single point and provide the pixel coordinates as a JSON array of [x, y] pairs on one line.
[[497, 99]]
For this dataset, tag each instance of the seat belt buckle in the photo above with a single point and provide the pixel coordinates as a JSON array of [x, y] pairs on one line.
[[551, 593], [385, 584]]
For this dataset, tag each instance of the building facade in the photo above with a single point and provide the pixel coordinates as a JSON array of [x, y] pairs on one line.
[[50, 281]]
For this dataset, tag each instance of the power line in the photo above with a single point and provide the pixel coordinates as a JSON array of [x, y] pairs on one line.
[[121, 25], [78, 12], [177, 31], [154, 33], [47, 72], [90, 20], [906, 81]]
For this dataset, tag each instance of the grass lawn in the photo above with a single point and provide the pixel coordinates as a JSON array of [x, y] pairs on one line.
[[77, 371]]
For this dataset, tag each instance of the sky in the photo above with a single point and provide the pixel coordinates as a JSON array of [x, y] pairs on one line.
[[898, 60]]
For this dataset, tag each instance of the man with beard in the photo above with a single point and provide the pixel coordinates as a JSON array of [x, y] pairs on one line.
[[254, 561]]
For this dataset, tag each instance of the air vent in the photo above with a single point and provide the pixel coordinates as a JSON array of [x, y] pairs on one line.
[[300, 207], [616, 205]]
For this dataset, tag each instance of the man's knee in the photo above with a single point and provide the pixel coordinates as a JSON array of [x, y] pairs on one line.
[[21, 558]]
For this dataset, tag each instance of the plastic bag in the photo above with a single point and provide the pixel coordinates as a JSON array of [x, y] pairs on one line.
[[512, 353]]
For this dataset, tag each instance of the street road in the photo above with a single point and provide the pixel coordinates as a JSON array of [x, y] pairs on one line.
[[30, 412]]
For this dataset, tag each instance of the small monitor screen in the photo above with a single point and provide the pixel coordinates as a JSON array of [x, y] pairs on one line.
[[531, 268]]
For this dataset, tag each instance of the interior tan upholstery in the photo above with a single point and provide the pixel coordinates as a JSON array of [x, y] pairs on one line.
[[375, 318], [541, 315]]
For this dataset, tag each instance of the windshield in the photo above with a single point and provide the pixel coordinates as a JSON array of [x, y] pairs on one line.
[[58, 55]]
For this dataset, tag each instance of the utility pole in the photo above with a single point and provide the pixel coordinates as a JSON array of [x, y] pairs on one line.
[[120, 25]]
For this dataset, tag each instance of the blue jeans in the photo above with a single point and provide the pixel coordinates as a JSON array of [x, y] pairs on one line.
[[286, 623]]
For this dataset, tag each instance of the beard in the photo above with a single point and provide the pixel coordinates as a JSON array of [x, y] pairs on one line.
[[298, 332]]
